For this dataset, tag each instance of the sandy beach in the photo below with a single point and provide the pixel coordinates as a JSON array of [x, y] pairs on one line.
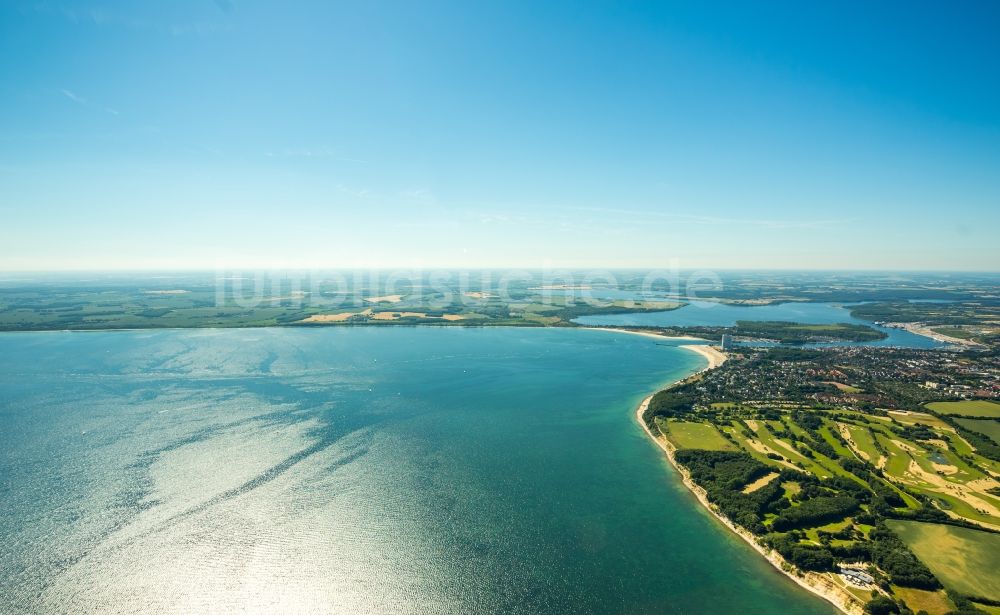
[[714, 356], [648, 334], [823, 585]]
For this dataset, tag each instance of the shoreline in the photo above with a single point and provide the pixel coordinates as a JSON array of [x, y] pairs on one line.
[[920, 329], [686, 338], [816, 583], [714, 357]]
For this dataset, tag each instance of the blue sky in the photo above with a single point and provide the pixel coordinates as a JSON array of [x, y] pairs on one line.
[[190, 134]]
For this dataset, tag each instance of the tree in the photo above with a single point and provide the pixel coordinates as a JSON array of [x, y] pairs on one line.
[[880, 605]]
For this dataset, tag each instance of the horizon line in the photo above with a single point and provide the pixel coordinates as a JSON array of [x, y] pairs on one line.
[[487, 268]]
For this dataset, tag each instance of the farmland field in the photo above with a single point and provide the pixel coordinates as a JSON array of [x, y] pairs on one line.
[[695, 435], [976, 407], [935, 603], [965, 560], [988, 428]]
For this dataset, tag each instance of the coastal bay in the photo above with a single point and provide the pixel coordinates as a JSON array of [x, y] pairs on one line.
[[364, 470]]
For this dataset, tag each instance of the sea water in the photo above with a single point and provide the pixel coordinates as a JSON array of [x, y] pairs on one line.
[[354, 470]]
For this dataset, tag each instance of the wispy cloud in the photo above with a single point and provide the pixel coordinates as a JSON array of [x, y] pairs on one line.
[[80, 100], [72, 96]]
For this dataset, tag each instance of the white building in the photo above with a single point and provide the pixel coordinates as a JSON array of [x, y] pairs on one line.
[[727, 341]]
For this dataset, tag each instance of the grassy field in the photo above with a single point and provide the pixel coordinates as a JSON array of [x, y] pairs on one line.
[[842, 450], [846, 388], [695, 435], [972, 407], [539, 318], [943, 474], [819, 464], [864, 441], [962, 447], [965, 560], [917, 418], [785, 449], [898, 463], [812, 533], [956, 332], [752, 447], [989, 428], [735, 432], [935, 603]]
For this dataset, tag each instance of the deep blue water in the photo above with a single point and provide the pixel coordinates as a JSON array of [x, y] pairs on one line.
[[354, 470]]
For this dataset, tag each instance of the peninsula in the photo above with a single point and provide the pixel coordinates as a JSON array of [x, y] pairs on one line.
[[838, 466]]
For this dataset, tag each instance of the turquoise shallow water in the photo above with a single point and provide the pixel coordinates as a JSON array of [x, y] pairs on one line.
[[362, 470]]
